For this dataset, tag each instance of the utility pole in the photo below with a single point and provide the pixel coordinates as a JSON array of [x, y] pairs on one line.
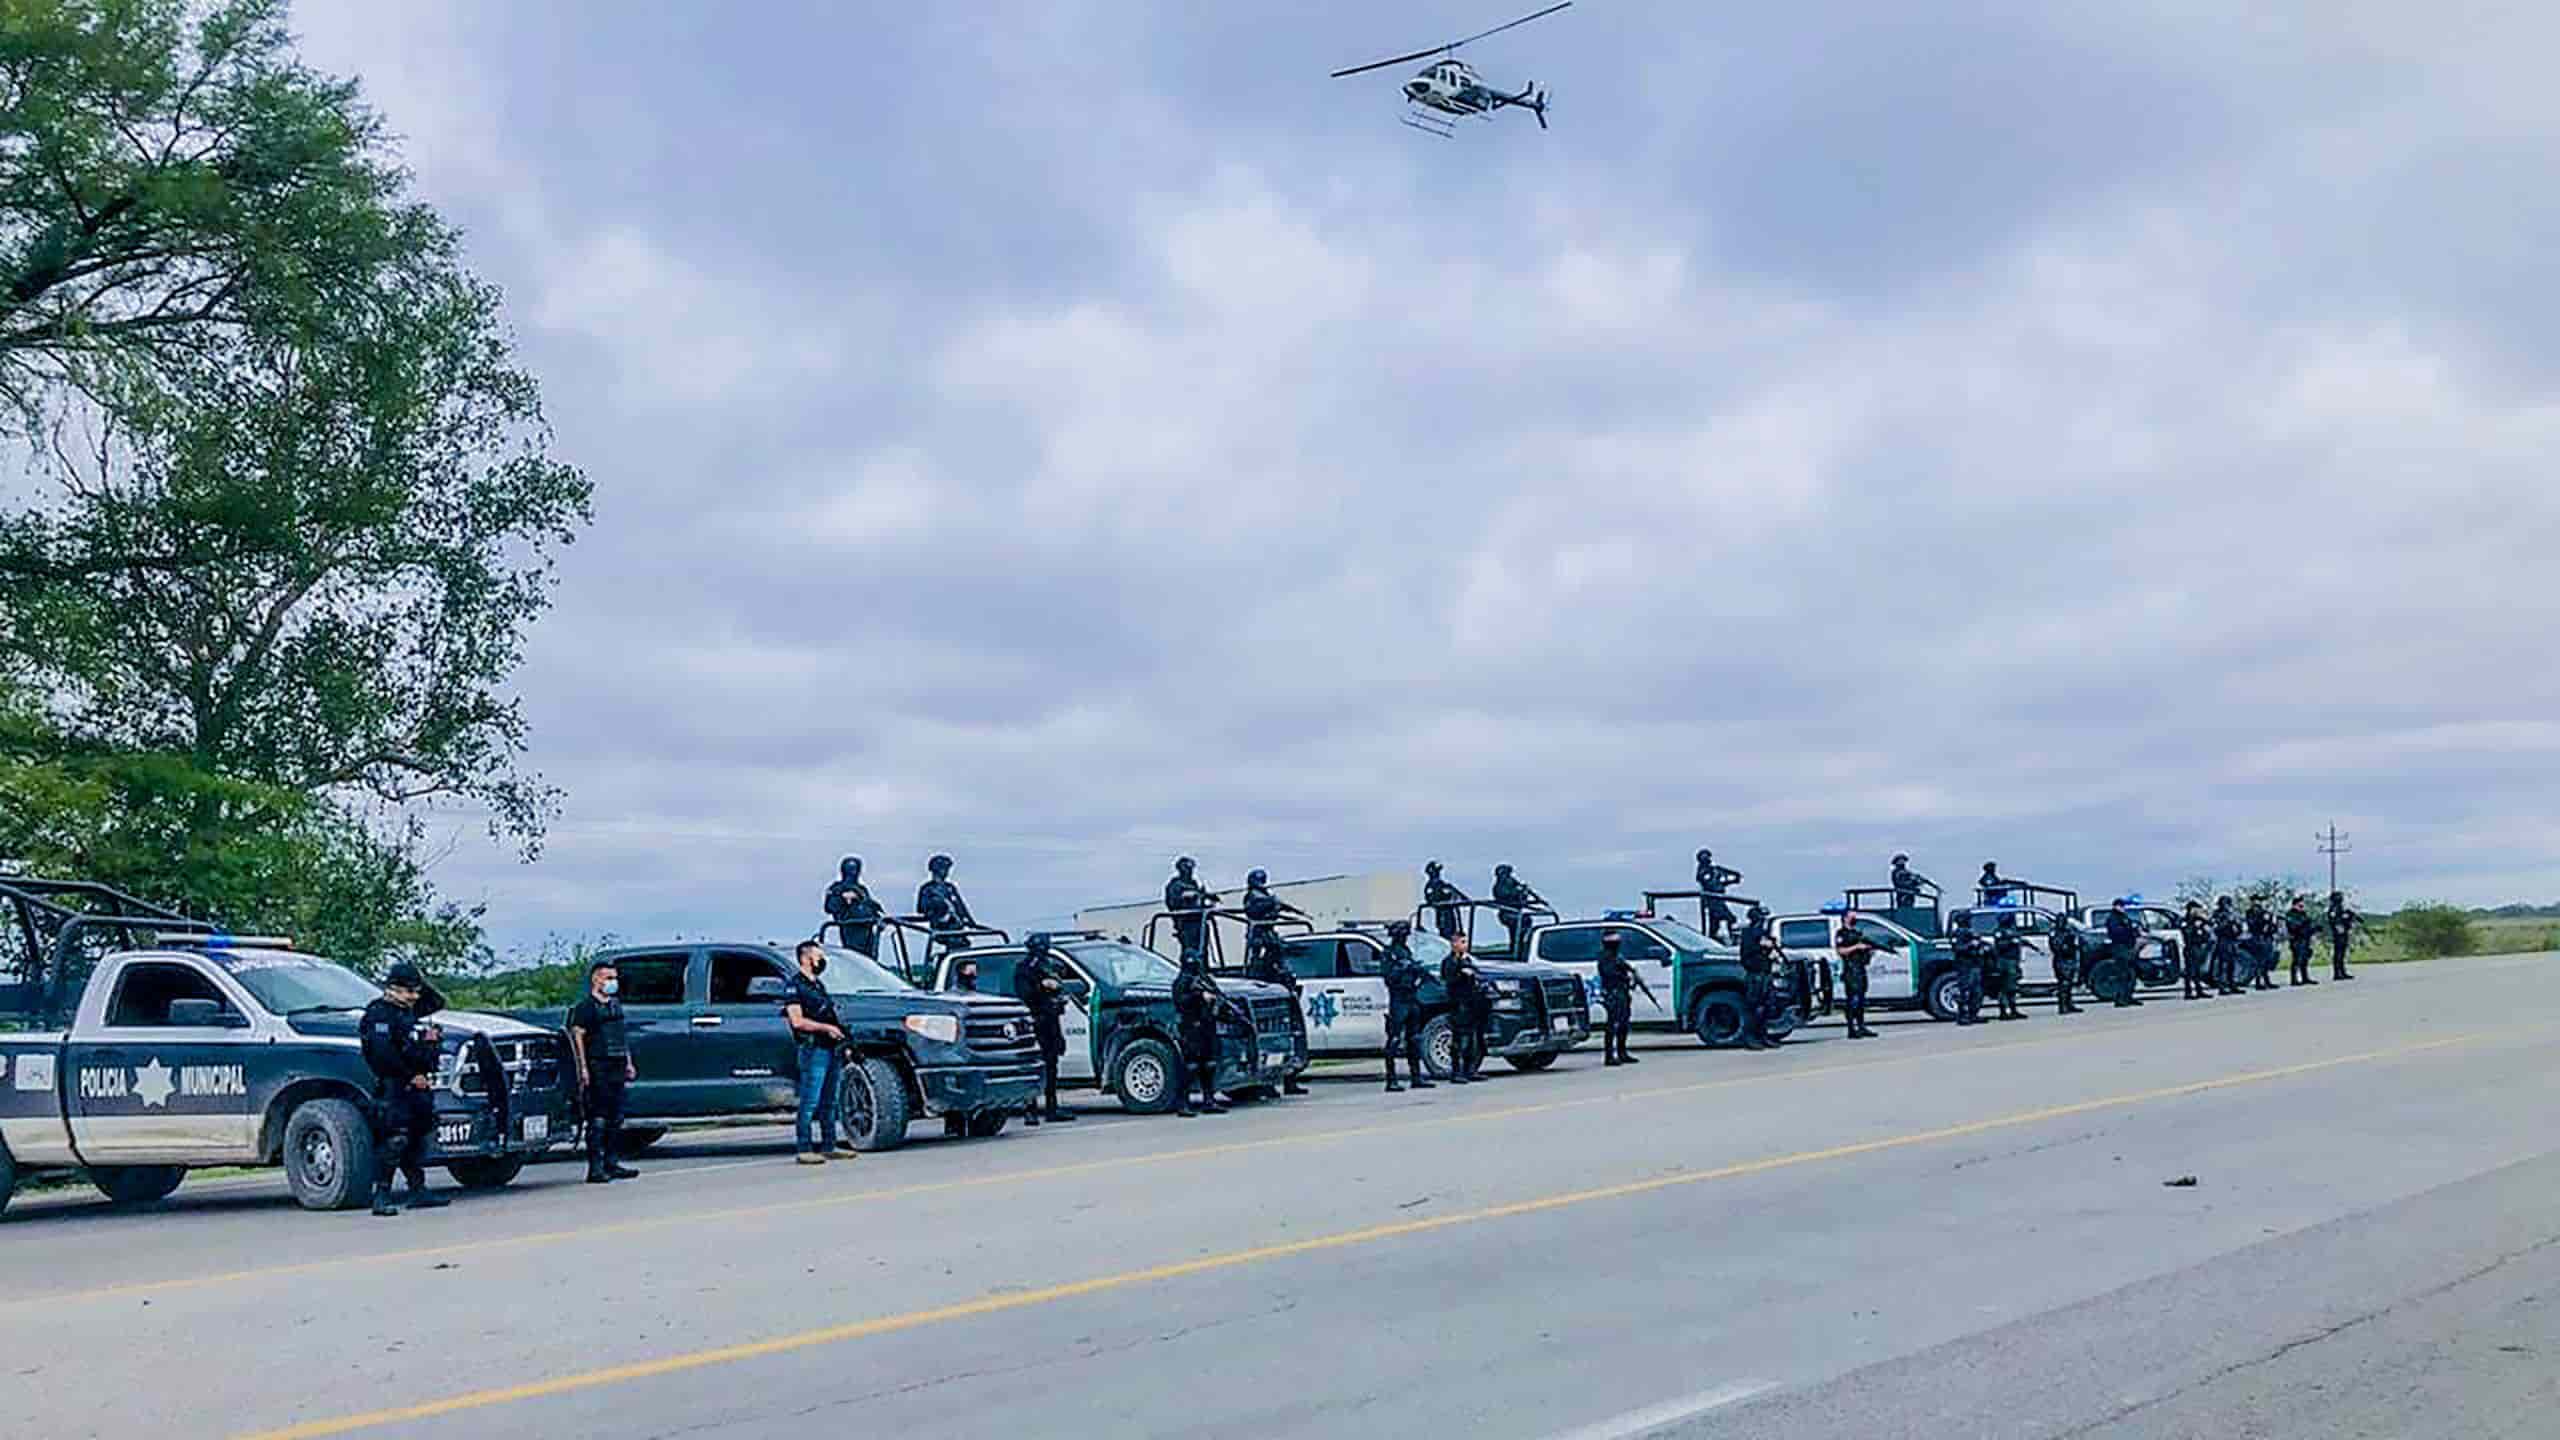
[[2333, 844]]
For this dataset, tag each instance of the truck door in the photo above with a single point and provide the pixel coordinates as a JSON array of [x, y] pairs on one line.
[[1894, 973], [753, 1059], [675, 1078], [1577, 948], [1651, 958], [163, 1074], [1345, 1010], [2035, 949], [995, 977]]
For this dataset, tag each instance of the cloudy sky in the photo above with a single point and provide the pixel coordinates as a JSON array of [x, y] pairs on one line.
[[1072, 434]]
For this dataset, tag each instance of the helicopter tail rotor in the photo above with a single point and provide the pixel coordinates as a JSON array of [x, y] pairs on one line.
[[1540, 106]]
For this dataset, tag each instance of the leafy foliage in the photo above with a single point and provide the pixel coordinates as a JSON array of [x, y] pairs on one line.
[[2430, 930]]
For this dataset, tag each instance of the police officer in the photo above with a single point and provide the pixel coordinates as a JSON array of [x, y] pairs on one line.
[[1713, 881], [818, 1052], [1908, 883], [1263, 960], [851, 909], [1444, 899], [2299, 931], [403, 1050], [2068, 954], [2007, 966], [1512, 898], [1404, 976], [1972, 952], [1196, 1002], [1040, 982], [1458, 976], [964, 974], [598, 1040], [2342, 925], [1188, 902], [1617, 1000], [2262, 945], [2124, 942], [2226, 947], [1759, 965], [1856, 951], [2195, 942], [1991, 886], [938, 902]]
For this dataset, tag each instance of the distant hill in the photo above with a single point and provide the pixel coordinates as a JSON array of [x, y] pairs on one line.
[[2523, 912]]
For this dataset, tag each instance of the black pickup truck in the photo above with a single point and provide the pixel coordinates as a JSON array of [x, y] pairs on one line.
[[709, 1041], [192, 1048]]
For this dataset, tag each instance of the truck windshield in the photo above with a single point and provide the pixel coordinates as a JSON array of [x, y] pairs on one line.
[[1126, 964], [850, 972], [287, 984], [1427, 949]]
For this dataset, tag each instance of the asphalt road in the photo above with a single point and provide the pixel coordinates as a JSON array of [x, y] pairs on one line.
[[1938, 1233]]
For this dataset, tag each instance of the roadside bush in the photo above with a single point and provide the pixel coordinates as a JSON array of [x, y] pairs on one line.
[[2431, 931]]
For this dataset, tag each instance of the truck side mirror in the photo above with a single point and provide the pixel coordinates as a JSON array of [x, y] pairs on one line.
[[767, 987], [205, 1015]]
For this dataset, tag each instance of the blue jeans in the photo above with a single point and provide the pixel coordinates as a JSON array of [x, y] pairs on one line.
[[817, 1090]]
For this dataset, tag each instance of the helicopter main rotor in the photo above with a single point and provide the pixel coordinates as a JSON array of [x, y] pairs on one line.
[[1452, 45]]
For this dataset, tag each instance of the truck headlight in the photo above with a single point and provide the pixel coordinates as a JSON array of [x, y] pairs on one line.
[[940, 1029]]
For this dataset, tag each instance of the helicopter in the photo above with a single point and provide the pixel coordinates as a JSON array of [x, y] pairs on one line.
[[1449, 90]]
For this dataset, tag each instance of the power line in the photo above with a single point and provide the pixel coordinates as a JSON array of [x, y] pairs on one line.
[[2333, 843]]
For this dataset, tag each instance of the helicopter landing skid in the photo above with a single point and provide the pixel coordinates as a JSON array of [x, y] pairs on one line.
[[1431, 125]]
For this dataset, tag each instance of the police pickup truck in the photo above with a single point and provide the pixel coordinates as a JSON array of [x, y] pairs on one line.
[[1539, 1011], [1696, 984], [196, 1049], [708, 1040], [2159, 948], [1913, 966], [1120, 1026]]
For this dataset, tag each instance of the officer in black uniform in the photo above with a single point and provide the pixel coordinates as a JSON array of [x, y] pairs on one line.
[[2342, 928], [1908, 883], [2008, 967], [964, 974], [1759, 966], [1991, 886], [2124, 943], [1444, 900], [1513, 897], [403, 1049], [1188, 901], [1972, 952], [1404, 976], [1263, 960], [2195, 944], [939, 902], [851, 909], [602, 1048], [2300, 930], [1196, 1002], [1713, 881], [2262, 946], [2068, 955], [1856, 951], [1040, 982], [1458, 976], [2226, 947], [1617, 1000]]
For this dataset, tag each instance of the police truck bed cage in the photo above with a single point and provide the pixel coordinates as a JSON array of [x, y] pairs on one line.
[[1926, 919], [1654, 898], [53, 917], [1215, 942], [2013, 894], [1423, 916], [897, 927]]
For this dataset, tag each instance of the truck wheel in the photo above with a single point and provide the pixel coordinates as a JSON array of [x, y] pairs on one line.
[[987, 1124], [135, 1184], [485, 1172], [1144, 1081], [1718, 1021], [1539, 1061], [328, 1155], [1439, 1047], [8, 1177], [1941, 996], [636, 1138], [1784, 1023], [873, 1104]]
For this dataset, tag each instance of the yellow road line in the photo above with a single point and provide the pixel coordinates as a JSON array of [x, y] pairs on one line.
[[1234, 1259], [488, 1244]]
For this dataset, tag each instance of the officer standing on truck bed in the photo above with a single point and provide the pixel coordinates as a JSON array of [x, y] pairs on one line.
[[851, 909], [1991, 886], [1618, 981], [1444, 900], [599, 1041], [403, 1049], [1196, 1001], [1513, 897], [1908, 883], [2342, 927], [1404, 976], [2195, 938], [1972, 952], [1466, 1011], [1263, 960], [1759, 964], [1188, 902], [1856, 950], [2067, 962], [939, 902], [2299, 931], [1713, 881]]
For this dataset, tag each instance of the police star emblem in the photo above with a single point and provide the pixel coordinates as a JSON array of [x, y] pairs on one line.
[[152, 1084], [1323, 1009]]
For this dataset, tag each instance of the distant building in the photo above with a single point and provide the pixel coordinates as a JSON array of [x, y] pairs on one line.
[[1327, 899]]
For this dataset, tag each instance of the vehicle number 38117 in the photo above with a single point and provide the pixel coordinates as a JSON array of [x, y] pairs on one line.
[[453, 1132]]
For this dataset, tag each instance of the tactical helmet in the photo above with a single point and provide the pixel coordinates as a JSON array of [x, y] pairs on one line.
[[1257, 876], [1757, 911], [938, 864], [850, 867], [1501, 870], [404, 974], [1431, 868], [1185, 864], [1705, 855], [1901, 859], [1036, 943], [1609, 940], [1399, 928]]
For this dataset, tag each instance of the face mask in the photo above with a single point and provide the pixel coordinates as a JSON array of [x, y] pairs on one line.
[[612, 987]]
